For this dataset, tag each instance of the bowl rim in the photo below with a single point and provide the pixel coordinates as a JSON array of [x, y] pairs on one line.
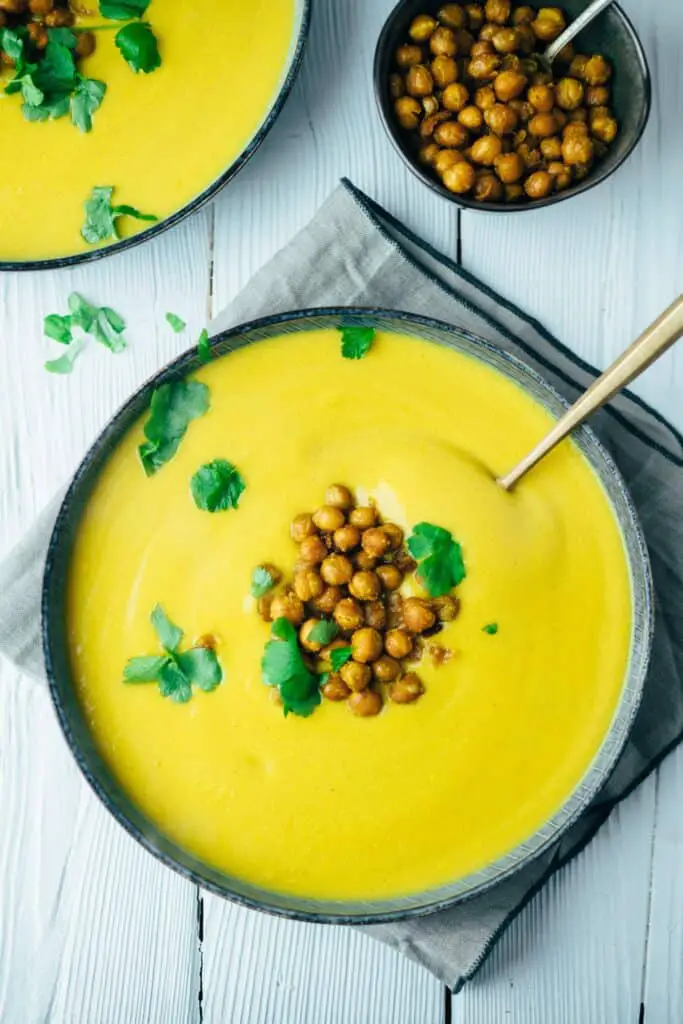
[[293, 65], [52, 628], [463, 201]]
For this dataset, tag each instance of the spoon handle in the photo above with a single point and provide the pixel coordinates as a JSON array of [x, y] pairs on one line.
[[652, 343], [576, 26]]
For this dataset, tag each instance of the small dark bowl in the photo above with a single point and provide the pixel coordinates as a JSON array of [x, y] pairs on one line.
[[611, 34]]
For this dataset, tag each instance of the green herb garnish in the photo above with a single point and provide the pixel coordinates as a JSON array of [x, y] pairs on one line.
[[139, 46], [339, 656], [175, 672], [324, 632], [85, 100], [58, 328], [441, 566], [65, 364], [101, 217], [204, 347], [123, 10], [176, 322], [261, 581], [283, 666], [172, 408], [491, 629], [217, 486], [100, 322], [356, 341]]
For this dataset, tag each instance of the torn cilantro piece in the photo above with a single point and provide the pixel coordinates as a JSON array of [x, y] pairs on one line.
[[491, 629], [65, 364], [139, 47], [439, 556], [217, 486], [339, 656], [86, 99], [324, 632], [58, 328], [177, 323], [283, 666], [356, 342], [262, 580], [101, 216], [172, 408], [204, 346]]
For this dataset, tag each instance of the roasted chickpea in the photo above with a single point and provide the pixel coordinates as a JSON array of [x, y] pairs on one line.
[[599, 112], [38, 35], [375, 541], [363, 516], [430, 105], [398, 644], [596, 70], [542, 98], [395, 535], [475, 16], [509, 167], [263, 607], [597, 96], [366, 704], [577, 116], [408, 55], [577, 149], [312, 550], [566, 54], [543, 126], [375, 615], [391, 578], [552, 148], [560, 117], [328, 518], [497, 10], [454, 97], [397, 86], [444, 42], [511, 62], [531, 155], [453, 16], [422, 27], [483, 67], [60, 17], [465, 41], [356, 676], [444, 71], [366, 644], [335, 688], [408, 112], [366, 586], [460, 178], [569, 93], [604, 128], [485, 97], [362, 561], [513, 193], [446, 159], [339, 496], [506, 40], [346, 538], [509, 85], [487, 188], [427, 129], [287, 606], [538, 185], [488, 32], [337, 570], [561, 175], [308, 585], [526, 38], [305, 634], [501, 119], [417, 613], [575, 130], [486, 149], [522, 109], [523, 15], [451, 134], [406, 690], [328, 600], [302, 526], [85, 44], [40, 7], [549, 24], [482, 46], [419, 81], [576, 68], [471, 118], [348, 614], [386, 669]]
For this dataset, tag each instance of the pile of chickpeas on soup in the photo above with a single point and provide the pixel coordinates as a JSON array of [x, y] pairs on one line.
[[486, 116], [350, 568]]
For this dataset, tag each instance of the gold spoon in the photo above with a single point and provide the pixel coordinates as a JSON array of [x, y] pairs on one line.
[[651, 344]]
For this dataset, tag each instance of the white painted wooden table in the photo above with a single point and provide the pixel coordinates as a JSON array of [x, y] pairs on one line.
[[92, 929]]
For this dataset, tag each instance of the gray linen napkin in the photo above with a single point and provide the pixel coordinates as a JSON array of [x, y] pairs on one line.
[[354, 253]]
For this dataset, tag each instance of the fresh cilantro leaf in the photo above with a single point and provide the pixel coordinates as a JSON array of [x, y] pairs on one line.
[[65, 36], [108, 329], [441, 566], [101, 217], [491, 629], [139, 47], [217, 486], [58, 328], [144, 670], [85, 100], [176, 322], [283, 666], [12, 43], [30, 92], [356, 341], [65, 363], [56, 72], [50, 110], [202, 667], [122, 10], [324, 632], [261, 581], [203, 346], [174, 683], [169, 634], [339, 656], [172, 408]]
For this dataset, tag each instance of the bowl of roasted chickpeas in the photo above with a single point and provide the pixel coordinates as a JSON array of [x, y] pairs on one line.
[[480, 118]]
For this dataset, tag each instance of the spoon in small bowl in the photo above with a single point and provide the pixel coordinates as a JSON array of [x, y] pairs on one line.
[[571, 31], [651, 344]]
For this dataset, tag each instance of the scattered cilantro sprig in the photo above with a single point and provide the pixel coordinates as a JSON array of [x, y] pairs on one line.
[[283, 666], [217, 486], [491, 629], [101, 216], [102, 323], [324, 632], [204, 347], [176, 322], [139, 47], [356, 342], [439, 556], [172, 408], [262, 580], [339, 656], [175, 672]]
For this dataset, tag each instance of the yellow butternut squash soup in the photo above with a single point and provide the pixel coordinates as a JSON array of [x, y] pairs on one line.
[[160, 139], [335, 806]]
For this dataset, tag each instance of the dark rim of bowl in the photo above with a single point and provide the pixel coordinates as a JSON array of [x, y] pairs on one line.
[[190, 362], [59, 262], [580, 188]]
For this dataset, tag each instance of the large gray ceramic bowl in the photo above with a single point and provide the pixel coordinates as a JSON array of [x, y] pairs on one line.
[[73, 721], [611, 34]]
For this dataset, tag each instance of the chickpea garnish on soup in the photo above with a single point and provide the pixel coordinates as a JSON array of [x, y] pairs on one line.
[[348, 623], [482, 113]]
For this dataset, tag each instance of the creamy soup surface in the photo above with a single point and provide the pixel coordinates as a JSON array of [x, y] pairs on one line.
[[334, 806], [160, 139]]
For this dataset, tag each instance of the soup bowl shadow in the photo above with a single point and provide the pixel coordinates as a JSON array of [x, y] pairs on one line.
[[73, 720]]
